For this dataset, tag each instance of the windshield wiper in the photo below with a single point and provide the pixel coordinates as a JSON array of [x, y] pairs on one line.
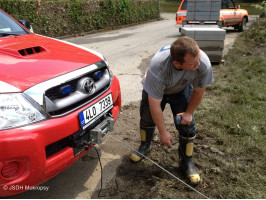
[[8, 34]]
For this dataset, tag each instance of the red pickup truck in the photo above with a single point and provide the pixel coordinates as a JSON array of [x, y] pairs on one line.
[[57, 100]]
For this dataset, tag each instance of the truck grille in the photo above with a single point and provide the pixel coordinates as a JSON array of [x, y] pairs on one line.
[[66, 93]]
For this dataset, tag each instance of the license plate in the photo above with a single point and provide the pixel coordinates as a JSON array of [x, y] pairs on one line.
[[95, 111]]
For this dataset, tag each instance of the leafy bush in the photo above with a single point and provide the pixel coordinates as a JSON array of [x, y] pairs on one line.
[[68, 17], [262, 8]]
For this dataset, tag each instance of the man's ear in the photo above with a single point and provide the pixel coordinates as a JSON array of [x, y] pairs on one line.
[[177, 65]]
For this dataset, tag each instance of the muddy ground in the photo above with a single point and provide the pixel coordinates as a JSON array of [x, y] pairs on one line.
[[145, 179]]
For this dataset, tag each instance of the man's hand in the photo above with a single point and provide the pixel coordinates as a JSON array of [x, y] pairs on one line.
[[192, 105], [186, 118], [158, 118], [166, 139]]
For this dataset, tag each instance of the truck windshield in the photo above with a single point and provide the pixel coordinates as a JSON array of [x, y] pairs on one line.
[[9, 27]]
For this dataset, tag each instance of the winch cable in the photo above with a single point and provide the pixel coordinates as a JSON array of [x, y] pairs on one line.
[[101, 182], [131, 148]]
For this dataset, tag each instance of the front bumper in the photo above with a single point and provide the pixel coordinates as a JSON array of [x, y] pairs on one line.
[[25, 148]]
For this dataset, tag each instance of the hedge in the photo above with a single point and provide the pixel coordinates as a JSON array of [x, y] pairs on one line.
[[71, 17]]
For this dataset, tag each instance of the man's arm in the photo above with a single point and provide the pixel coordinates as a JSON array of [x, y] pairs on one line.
[[158, 118], [192, 105]]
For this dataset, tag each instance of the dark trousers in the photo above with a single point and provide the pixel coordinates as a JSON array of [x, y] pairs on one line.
[[178, 103]]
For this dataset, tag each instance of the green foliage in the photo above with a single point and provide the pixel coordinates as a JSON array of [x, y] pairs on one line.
[[21, 9], [60, 18], [169, 5], [249, 40], [261, 7], [75, 11]]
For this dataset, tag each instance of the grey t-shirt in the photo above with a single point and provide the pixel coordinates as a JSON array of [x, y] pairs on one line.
[[163, 78]]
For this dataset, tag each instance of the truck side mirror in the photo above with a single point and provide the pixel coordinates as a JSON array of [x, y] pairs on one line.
[[25, 23]]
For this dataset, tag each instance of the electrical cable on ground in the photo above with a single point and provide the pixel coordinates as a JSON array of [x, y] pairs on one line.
[[99, 193], [131, 148]]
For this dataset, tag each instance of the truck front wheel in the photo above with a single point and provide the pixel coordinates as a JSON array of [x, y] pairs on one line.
[[242, 25]]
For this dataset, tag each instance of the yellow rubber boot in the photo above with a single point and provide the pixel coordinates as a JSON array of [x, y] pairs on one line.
[[146, 135], [186, 146]]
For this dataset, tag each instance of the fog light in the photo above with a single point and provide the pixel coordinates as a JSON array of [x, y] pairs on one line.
[[98, 75], [10, 169], [66, 89]]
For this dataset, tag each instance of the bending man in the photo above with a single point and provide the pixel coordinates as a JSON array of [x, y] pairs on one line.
[[178, 74]]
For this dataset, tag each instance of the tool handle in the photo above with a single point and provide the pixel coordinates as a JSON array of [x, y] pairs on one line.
[[177, 120]]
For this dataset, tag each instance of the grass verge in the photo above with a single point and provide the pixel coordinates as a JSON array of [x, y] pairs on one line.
[[232, 118]]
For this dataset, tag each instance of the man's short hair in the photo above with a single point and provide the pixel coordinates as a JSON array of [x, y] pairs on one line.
[[181, 47]]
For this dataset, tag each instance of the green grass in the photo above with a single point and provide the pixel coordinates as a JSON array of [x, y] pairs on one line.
[[233, 115], [169, 5]]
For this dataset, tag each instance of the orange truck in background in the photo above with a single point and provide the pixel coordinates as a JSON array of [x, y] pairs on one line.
[[230, 14]]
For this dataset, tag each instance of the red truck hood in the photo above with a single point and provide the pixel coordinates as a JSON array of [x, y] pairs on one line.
[[30, 59]]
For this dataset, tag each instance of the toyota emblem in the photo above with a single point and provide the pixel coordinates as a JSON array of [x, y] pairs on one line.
[[88, 85]]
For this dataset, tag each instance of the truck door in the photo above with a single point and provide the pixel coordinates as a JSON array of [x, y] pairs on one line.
[[228, 12]]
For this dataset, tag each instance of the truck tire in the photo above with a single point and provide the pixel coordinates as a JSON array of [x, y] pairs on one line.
[[242, 25]]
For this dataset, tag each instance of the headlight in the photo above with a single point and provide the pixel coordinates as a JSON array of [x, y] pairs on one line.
[[110, 72], [16, 110]]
